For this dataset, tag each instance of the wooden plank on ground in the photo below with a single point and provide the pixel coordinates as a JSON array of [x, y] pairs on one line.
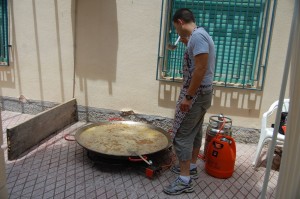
[[29, 133]]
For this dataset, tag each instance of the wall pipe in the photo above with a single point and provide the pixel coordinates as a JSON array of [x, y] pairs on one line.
[[280, 103], [289, 176]]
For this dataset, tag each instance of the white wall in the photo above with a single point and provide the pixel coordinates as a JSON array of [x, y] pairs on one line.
[[112, 44]]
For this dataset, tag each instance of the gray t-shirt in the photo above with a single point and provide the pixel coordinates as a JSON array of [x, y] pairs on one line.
[[201, 42]]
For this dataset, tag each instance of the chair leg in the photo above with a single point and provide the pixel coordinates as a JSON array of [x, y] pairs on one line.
[[258, 151]]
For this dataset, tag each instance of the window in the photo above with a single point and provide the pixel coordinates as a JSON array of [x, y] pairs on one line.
[[239, 28], [4, 57]]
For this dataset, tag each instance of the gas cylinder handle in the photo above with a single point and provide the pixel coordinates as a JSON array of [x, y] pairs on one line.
[[232, 142], [219, 146], [229, 138], [220, 136]]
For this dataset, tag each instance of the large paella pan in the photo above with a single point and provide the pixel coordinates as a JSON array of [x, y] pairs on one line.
[[123, 138]]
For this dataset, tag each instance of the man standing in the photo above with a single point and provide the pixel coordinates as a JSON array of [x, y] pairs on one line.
[[194, 100]]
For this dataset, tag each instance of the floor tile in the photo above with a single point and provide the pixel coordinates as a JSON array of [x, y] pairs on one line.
[[58, 168]]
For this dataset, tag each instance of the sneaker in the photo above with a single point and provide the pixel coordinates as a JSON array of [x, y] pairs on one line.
[[193, 172], [178, 187]]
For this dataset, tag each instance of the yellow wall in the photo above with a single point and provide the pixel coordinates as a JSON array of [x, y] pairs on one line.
[[112, 44], [42, 51]]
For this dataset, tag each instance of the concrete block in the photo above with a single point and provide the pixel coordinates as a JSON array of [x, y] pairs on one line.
[[3, 193]]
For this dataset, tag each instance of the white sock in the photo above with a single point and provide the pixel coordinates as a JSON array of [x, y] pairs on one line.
[[185, 179], [193, 166]]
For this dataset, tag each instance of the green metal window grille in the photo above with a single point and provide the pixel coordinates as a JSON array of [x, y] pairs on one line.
[[4, 56], [241, 31]]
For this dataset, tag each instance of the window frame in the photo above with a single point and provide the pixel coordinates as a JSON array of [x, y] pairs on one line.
[[263, 44], [4, 36]]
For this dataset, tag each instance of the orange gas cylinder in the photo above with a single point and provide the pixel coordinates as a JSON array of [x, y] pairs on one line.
[[220, 157]]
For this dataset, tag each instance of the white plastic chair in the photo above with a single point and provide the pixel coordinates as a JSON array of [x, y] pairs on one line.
[[266, 133]]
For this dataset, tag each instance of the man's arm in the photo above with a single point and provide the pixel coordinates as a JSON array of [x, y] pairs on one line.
[[198, 73], [197, 77]]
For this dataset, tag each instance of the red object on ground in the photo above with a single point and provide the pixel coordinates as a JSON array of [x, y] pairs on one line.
[[149, 173], [284, 129], [201, 156], [220, 157]]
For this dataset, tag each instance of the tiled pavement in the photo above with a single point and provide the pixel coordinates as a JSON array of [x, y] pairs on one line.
[[58, 168]]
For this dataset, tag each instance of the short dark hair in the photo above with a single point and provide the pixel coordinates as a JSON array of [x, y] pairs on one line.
[[184, 14]]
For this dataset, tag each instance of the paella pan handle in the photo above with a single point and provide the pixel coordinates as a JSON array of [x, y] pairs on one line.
[[69, 137], [142, 158], [115, 119]]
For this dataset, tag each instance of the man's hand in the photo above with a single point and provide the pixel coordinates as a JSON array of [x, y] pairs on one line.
[[185, 105]]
